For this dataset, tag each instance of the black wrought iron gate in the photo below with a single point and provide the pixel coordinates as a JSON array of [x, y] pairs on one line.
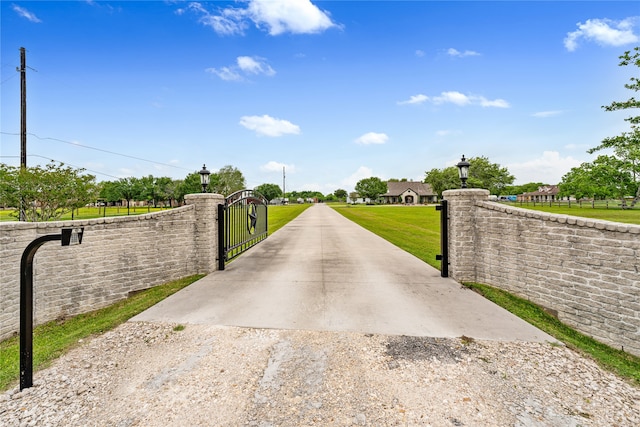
[[242, 223]]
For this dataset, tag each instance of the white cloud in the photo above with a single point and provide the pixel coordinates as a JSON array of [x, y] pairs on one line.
[[26, 14], [549, 168], [230, 21], [294, 16], [244, 65], [420, 53], [372, 138], [544, 114], [274, 166], [498, 103], [414, 99], [269, 126], [452, 97], [225, 73], [276, 16], [454, 52], [604, 32], [361, 173], [254, 65], [460, 99]]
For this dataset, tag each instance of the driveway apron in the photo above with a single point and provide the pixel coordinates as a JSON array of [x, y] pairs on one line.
[[323, 272]]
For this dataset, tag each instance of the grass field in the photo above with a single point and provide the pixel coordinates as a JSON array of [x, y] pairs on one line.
[[416, 229], [88, 213], [280, 215], [629, 216]]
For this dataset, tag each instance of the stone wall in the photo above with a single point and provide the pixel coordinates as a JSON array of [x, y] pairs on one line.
[[118, 255], [587, 271]]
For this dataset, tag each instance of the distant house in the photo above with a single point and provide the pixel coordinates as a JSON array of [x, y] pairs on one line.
[[409, 193], [545, 193]]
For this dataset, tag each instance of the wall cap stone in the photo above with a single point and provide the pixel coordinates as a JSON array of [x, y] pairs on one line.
[[598, 224]]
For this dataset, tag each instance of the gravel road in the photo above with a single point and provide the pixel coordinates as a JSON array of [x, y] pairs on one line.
[[148, 374]]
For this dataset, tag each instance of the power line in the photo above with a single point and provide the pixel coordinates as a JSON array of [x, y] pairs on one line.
[[64, 163], [100, 149]]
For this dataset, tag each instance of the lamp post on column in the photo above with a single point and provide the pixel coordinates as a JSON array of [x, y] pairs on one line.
[[463, 171], [204, 178]]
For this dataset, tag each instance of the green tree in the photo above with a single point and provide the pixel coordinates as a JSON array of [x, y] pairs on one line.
[[269, 191], [443, 179], [110, 192], [129, 189], [626, 146], [190, 185], [520, 189], [482, 174], [491, 176], [229, 180], [605, 177], [46, 193], [340, 194], [371, 188]]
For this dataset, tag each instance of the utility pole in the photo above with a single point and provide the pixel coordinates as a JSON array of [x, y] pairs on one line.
[[23, 120], [23, 108], [284, 193]]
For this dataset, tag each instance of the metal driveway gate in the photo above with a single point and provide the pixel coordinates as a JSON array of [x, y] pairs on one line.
[[242, 223]]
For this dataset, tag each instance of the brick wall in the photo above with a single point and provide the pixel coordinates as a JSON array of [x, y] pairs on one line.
[[588, 271], [118, 255]]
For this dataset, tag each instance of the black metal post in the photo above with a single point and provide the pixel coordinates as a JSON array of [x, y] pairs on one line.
[[26, 309], [444, 238], [221, 227]]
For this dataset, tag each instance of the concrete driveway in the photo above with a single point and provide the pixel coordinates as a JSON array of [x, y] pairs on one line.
[[324, 272]]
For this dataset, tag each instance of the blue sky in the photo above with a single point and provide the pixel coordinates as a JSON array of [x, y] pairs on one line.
[[335, 91]]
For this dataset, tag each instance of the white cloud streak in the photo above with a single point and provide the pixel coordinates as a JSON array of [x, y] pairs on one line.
[[30, 16], [361, 173], [275, 16], [454, 52], [274, 166], [245, 65], [605, 32], [268, 126], [289, 16], [459, 99], [415, 100], [545, 114], [372, 138], [549, 168]]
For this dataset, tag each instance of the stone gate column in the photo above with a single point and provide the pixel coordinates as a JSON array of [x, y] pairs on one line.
[[462, 231], [206, 228]]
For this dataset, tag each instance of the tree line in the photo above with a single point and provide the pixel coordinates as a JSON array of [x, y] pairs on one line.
[[46, 193]]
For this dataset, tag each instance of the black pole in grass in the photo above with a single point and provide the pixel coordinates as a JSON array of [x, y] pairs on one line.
[[68, 236]]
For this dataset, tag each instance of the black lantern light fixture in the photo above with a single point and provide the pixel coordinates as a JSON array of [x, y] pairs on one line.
[[463, 171], [204, 178]]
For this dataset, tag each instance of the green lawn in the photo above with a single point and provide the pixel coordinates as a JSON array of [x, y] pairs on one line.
[[629, 216], [88, 213], [279, 215], [416, 229]]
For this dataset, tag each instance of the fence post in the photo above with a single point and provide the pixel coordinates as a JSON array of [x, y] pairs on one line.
[[462, 210], [206, 229]]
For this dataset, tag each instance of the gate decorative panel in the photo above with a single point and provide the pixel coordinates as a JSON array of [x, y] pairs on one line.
[[242, 223]]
